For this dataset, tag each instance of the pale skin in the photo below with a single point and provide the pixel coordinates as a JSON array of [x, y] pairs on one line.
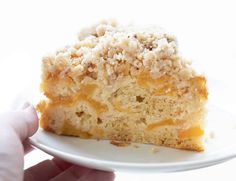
[[16, 127]]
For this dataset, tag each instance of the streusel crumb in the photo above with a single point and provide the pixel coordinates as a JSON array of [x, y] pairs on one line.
[[106, 49]]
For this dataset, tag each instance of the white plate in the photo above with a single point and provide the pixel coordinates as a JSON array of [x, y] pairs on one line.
[[102, 155]]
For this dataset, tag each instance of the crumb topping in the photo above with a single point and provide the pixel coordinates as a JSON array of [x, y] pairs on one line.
[[107, 52]]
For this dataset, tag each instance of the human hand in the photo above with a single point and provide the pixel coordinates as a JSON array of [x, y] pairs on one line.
[[16, 127]]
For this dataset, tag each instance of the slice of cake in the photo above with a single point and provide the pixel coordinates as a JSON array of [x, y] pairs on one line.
[[125, 84]]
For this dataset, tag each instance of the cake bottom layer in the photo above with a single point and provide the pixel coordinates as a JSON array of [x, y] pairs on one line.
[[77, 121]]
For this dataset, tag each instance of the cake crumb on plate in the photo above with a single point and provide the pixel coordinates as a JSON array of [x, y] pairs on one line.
[[119, 143], [155, 149], [135, 146]]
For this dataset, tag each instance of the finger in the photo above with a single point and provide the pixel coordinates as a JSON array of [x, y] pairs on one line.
[[98, 176], [24, 122], [25, 105], [11, 154], [43, 171], [18, 102], [73, 173], [15, 127], [31, 120], [61, 164], [27, 147], [46, 170]]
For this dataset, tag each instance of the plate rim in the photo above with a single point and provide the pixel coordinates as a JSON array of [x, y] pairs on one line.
[[176, 166], [53, 151]]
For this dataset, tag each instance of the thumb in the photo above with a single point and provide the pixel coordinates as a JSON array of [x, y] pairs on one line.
[[15, 127], [24, 122]]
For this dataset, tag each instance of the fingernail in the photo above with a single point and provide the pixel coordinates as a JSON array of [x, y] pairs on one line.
[[18, 103], [25, 105], [32, 119]]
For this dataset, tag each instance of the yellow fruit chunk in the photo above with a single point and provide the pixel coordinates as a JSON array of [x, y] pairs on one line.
[[69, 129], [97, 106], [190, 133], [84, 94], [199, 84], [156, 125], [167, 90], [118, 107], [162, 85], [145, 80]]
